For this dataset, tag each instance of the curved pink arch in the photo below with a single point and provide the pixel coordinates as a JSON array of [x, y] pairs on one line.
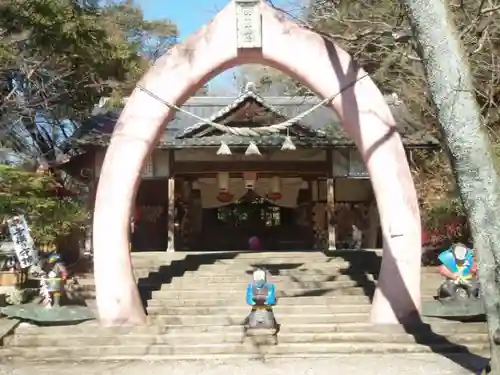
[[318, 63]]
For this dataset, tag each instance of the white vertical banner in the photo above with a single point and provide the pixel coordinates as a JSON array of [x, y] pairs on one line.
[[23, 242], [248, 24]]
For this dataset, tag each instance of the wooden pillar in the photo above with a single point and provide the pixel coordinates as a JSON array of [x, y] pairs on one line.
[[330, 209], [87, 242], [330, 202], [93, 176], [171, 203], [185, 224], [196, 211], [373, 226], [171, 214]]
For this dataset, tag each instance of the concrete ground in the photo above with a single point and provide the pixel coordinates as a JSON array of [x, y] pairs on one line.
[[425, 364]]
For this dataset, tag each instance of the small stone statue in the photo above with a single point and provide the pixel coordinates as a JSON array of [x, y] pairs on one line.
[[56, 276], [261, 296], [357, 238], [459, 269]]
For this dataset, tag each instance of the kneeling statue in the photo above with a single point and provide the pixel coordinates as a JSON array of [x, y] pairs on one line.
[[57, 275], [458, 297], [460, 270], [261, 296]]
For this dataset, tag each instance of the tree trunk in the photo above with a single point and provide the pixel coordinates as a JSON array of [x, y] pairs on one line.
[[452, 92]]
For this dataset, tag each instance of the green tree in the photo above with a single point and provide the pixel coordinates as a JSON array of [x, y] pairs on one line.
[[59, 57], [50, 216], [378, 34]]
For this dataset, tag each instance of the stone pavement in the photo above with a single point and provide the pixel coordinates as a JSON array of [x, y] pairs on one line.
[[415, 364], [6, 326]]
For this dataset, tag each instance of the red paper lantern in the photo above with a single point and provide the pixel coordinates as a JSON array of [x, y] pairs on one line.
[[275, 190], [225, 197], [274, 196]]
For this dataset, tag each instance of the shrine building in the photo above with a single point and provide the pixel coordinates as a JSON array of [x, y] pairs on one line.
[[206, 189]]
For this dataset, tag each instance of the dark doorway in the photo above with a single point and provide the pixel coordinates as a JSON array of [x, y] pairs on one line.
[[230, 227], [150, 231]]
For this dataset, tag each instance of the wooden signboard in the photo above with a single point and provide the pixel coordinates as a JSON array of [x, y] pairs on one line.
[[23, 242]]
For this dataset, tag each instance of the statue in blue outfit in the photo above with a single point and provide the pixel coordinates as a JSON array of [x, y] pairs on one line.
[[261, 296], [459, 269]]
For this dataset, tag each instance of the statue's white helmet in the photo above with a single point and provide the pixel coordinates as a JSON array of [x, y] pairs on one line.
[[259, 276], [460, 251]]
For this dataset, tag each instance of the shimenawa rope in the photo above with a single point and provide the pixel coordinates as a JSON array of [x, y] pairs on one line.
[[252, 132]]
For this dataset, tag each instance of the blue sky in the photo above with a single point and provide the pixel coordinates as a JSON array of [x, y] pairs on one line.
[[190, 15]]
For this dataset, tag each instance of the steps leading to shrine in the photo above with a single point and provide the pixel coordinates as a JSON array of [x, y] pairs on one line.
[[195, 305]]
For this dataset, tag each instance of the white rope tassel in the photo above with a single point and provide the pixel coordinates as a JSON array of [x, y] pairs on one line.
[[288, 144], [252, 149], [224, 149]]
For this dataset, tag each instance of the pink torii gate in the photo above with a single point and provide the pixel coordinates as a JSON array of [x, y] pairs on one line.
[[250, 31]]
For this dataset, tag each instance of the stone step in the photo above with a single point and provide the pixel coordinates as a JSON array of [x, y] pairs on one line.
[[243, 310], [247, 272], [100, 352], [229, 287], [286, 285], [214, 272], [235, 337], [237, 296], [292, 302], [145, 255], [240, 281], [282, 285], [242, 267], [284, 301], [438, 327], [277, 261], [199, 294], [246, 255], [273, 258], [236, 319], [228, 293], [261, 357], [208, 255], [245, 279], [284, 319], [287, 282]]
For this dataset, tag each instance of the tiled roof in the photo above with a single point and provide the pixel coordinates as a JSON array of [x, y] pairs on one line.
[[321, 127]]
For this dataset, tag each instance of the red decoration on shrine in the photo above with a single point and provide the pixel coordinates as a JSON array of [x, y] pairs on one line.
[[275, 191], [225, 197], [274, 196]]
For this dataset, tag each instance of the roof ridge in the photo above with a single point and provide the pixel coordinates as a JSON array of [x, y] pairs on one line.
[[391, 99], [249, 93]]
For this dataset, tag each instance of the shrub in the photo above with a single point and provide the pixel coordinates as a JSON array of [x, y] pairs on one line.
[[50, 214]]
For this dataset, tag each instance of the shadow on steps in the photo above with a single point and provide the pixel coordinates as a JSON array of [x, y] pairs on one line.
[[422, 332], [176, 268], [362, 264]]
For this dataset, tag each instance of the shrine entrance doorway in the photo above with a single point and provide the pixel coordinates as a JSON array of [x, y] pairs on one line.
[[149, 231], [232, 227]]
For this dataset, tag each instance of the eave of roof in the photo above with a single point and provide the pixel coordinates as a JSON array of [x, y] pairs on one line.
[[338, 140], [322, 122]]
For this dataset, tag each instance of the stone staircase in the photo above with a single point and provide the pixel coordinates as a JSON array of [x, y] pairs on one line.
[[195, 304]]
